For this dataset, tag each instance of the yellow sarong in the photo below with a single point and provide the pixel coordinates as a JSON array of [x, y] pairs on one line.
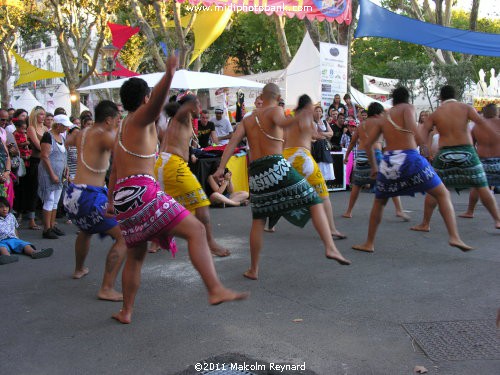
[[177, 180], [301, 159]]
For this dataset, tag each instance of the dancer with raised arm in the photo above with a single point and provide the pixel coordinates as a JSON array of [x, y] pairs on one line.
[[276, 188], [144, 211], [403, 171], [172, 170]]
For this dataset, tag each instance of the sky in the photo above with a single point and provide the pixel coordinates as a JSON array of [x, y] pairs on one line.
[[487, 8]]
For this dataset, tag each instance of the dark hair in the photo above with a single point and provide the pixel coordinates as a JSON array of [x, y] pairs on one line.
[[490, 110], [48, 114], [18, 112], [447, 92], [4, 202], [72, 118], [172, 108], [19, 123], [226, 170], [104, 109], [400, 95], [303, 101], [84, 114], [204, 111], [347, 96], [59, 111], [341, 114], [11, 109], [375, 109], [133, 92]]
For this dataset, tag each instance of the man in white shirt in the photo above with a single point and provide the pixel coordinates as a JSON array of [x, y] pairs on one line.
[[223, 127]]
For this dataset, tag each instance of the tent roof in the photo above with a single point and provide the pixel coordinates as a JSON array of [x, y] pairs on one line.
[[26, 101], [183, 79]]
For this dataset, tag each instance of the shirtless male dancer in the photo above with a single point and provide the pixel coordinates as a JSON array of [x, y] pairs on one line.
[[297, 150], [456, 162], [361, 174], [274, 183], [487, 139], [143, 211], [86, 197], [403, 171], [172, 170]]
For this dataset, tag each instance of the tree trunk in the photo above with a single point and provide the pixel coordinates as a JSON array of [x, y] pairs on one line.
[[75, 100], [313, 32], [5, 75], [473, 15], [180, 36], [150, 36], [286, 56]]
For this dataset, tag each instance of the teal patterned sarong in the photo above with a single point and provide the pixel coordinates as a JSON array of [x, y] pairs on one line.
[[459, 167], [277, 189]]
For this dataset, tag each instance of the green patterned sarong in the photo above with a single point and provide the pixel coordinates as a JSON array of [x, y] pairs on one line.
[[277, 189], [459, 167]]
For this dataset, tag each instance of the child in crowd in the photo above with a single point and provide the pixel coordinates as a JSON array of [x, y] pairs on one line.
[[9, 240], [22, 141]]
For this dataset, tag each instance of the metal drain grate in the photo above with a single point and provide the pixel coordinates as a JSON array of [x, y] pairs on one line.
[[456, 340], [228, 372]]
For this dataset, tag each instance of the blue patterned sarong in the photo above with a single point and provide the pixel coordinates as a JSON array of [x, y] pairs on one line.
[[85, 205], [404, 172]]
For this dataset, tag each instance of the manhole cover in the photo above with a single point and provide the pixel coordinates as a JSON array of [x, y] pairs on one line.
[[456, 340]]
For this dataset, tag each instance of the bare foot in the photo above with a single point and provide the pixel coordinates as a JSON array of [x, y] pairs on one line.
[[122, 317], [80, 273], [110, 295], [339, 259], [347, 215], [338, 236], [421, 228], [363, 247], [225, 295], [220, 252], [270, 230], [466, 215], [461, 245], [403, 216], [249, 274]]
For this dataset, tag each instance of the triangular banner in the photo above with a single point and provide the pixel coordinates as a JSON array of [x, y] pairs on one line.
[[30, 73], [120, 34]]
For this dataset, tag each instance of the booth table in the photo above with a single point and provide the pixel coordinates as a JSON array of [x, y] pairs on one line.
[[237, 164]]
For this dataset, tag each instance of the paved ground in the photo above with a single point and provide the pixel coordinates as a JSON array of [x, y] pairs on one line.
[[350, 316]]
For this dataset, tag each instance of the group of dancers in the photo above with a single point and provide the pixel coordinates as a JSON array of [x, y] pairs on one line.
[[151, 197]]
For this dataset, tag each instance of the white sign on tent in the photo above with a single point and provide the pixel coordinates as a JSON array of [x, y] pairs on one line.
[[333, 65]]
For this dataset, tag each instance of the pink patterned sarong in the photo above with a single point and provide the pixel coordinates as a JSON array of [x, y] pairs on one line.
[[145, 213]]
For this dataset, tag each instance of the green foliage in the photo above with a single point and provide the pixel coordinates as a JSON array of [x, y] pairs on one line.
[[252, 40], [372, 56]]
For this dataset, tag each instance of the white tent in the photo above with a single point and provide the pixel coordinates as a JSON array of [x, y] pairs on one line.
[[26, 101], [183, 79], [365, 100], [61, 98], [302, 76]]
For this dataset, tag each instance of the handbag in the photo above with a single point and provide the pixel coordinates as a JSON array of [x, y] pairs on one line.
[[21, 170]]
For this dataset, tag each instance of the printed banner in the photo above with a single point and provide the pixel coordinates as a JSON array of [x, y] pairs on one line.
[[377, 85], [329, 10], [333, 66]]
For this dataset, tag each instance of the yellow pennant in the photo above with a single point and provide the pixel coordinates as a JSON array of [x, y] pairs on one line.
[[12, 3], [30, 73], [207, 27]]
